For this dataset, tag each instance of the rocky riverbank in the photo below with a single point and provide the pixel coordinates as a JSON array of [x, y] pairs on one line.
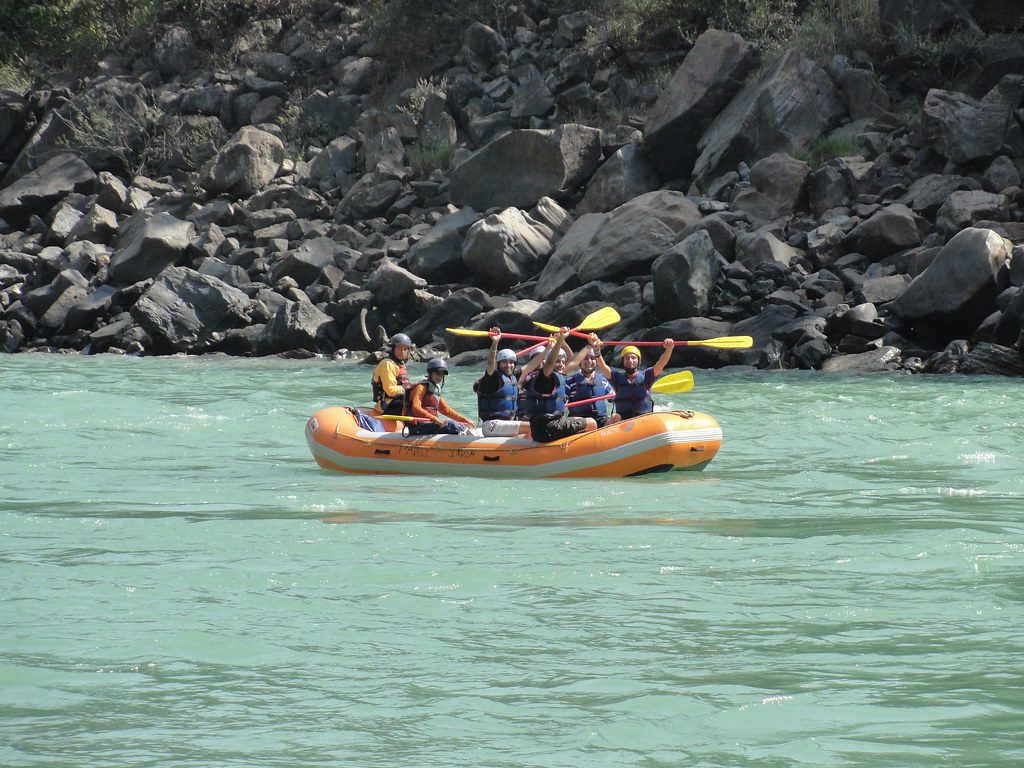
[[304, 207]]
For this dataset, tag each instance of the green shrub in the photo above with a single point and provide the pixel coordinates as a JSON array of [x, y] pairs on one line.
[[826, 148], [838, 26], [426, 160]]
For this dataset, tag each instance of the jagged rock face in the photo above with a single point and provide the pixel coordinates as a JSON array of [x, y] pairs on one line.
[[792, 104], [521, 167], [710, 76], [954, 294]]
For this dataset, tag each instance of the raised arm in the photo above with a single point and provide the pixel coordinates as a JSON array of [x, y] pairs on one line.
[[492, 354], [665, 356]]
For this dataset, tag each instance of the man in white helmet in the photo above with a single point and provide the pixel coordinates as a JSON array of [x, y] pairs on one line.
[[497, 391]]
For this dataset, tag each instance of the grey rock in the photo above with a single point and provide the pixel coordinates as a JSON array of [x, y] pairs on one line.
[[453, 312], [1001, 174], [927, 194], [893, 228], [244, 165], [176, 53], [146, 244], [712, 73], [881, 360], [963, 129], [336, 165], [962, 209], [685, 276], [517, 169], [295, 325], [506, 248], [38, 191], [561, 272], [391, 284], [625, 175], [307, 263], [793, 103], [183, 308], [776, 182], [957, 291], [437, 256]]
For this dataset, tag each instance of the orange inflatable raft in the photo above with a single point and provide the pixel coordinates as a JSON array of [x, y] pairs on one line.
[[663, 441]]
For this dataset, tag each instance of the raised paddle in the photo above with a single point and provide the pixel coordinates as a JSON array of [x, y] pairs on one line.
[[722, 342], [471, 332], [595, 321], [674, 383]]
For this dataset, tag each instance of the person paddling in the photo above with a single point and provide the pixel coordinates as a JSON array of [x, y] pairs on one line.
[[591, 381], [389, 381], [633, 386], [545, 399], [423, 400]]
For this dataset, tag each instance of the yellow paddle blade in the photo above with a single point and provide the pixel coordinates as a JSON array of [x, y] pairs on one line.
[[397, 418], [601, 319], [725, 342], [592, 322], [674, 383], [467, 332]]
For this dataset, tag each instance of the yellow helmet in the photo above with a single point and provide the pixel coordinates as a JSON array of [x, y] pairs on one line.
[[630, 350]]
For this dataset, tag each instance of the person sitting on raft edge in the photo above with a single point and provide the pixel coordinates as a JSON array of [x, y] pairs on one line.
[[423, 400], [389, 380], [545, 400], [633, 386]]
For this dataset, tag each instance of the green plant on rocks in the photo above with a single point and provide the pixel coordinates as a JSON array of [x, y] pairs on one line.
[[425, 160], [826, 148], [419, 94]]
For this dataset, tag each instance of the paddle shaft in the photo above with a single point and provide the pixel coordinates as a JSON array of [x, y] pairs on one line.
[[590, 400]]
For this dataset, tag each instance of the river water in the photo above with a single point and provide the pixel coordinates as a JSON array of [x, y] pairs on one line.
[[181, 585]]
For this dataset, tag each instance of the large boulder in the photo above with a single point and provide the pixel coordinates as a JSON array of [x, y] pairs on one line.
[[635, 234], [146, 244], [519, 168], [390, 284], [244, 165], [793, 103], [893, 228], [957, 291], [712, 73], [38, 191], [684, 277], [561, 273], [776, 182], [296, 325], [963, 129], [514, 317], [183, 308], [437, 256], [307, 263], [506, 248], [453, 312], [963, 208], [625, 175]]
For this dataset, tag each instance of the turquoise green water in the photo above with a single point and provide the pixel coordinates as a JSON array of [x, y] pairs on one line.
[[182, 586]]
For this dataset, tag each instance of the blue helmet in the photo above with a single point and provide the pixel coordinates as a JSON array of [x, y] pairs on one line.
[[400, 338], [506, 354]]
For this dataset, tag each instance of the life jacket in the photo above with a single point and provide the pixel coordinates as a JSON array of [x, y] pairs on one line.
[[632, 398], [549, 407], [577, 387], [430, 401], [501, 404], [378, 388]]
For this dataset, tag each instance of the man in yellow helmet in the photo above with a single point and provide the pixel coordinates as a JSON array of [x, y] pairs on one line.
[[633, 386]]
